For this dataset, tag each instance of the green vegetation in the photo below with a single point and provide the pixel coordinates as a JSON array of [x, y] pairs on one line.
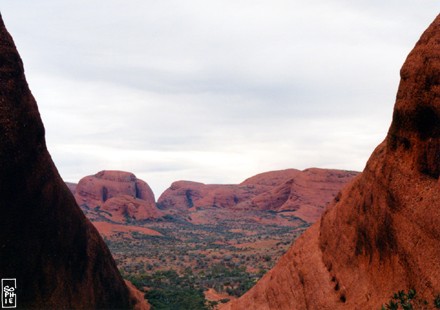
[[233, 281], [176, 298], [228, 256], [169, 290], [437, 302], [409, 301]]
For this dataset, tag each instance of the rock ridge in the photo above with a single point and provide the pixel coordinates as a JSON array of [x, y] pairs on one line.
[[304, 194]]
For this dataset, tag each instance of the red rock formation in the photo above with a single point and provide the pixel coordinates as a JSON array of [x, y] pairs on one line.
[[382, 234], [124, 206], [119, 193], [185, 195], [301, 193], [304, 194], [56, 255]]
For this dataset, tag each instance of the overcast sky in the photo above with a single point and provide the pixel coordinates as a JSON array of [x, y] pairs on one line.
[[213, 91]]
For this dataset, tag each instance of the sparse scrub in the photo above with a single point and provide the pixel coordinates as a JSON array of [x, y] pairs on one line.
[[410, 301]]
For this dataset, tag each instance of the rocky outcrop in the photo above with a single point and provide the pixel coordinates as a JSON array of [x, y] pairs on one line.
[[303, 194], [56, 256], [185, 195], [382, 232], [119, 194], [125, 208]]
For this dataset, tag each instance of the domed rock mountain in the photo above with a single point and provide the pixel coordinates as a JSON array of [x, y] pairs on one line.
[[303, 194], [382, 233], [57, 257], [117, 196]]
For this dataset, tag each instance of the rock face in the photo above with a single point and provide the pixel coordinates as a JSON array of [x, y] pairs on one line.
[[185, 195], [382, 233], [301, 193], [56, 255], [304, 194], [120, 194]]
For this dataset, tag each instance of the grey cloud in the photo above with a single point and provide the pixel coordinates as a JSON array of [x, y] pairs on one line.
[[213, 91]]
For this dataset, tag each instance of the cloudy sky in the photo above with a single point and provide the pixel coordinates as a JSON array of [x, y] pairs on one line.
[[213, 91]]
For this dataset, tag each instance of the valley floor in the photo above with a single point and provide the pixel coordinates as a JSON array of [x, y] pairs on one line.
[[208, 261]]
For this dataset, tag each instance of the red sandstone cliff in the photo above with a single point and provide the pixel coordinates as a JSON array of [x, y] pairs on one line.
[[303, 194], [56, 255], [382, 234], [120, 194]]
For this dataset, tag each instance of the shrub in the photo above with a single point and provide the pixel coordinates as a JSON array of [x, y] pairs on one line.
[[408, 301]]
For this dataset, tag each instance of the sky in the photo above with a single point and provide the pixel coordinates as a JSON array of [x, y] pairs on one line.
[[213, 91]]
